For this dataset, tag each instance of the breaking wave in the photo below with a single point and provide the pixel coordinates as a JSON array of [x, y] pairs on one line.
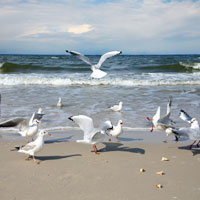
[[148, 79], [191, 65]]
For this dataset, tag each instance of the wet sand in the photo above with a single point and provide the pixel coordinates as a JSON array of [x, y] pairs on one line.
[[69, 170]]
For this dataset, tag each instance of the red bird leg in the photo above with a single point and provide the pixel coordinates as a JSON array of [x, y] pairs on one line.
[[152, 128], [192, 144], [95, 149]]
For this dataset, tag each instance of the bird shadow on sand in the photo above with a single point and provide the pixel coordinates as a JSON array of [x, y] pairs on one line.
[[120, 147], [44, 158], [58, 140], [195, 150]]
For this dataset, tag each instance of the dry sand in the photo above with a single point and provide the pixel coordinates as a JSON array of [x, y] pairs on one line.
[[69, 170]]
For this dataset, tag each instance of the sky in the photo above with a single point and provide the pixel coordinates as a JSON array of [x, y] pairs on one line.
[[98, 26]]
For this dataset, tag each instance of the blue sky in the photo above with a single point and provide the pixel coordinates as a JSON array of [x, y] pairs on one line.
[[98, 26]]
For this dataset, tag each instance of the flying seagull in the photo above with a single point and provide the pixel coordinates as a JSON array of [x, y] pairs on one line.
[[96, 72]]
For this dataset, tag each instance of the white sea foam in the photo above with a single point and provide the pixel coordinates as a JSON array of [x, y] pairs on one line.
[[147, 79], [190, 65], [196, 66]]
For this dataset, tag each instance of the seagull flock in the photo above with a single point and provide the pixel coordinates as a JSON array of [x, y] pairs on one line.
[[30, 127]]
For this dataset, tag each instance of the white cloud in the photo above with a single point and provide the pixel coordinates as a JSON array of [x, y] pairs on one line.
[[79, 29]]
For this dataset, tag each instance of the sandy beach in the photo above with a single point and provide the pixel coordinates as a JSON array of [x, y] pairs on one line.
[[69, 170]]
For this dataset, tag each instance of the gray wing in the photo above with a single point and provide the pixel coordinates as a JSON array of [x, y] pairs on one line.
[[184, 116], [28, 147], [164, 125], [165, 119], [14, 122], [185, 132], [80, 56]]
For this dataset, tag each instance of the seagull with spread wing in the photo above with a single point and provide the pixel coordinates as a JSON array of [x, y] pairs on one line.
[[91, 135], [96, 72], [27, 127], [192, 132], [163, 123]]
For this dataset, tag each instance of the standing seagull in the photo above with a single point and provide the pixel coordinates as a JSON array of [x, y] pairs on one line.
[[91, 135], [164, 123], [33, 147], [59, 104], [117, 108], [117, 130], [96, 72], [192, 132]]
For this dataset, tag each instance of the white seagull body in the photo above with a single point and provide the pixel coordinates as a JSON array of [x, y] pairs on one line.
[[164, 123], [59, 104], [33, 147], [192, 132], [96, 72], [91, 135], [30, 130], [117, 130], [117, 108]]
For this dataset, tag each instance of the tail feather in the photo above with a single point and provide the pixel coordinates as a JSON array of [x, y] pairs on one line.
[[70, 118], [16, 149]]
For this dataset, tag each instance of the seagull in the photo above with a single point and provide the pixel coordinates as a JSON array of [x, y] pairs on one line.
[[116, 130], [117, 108], [27, 128], [96, 72], [91, 135], [33, 147], [59, 104], [192, 132], [164, 123]]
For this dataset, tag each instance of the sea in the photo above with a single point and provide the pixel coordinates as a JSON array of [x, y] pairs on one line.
[[141, 82]]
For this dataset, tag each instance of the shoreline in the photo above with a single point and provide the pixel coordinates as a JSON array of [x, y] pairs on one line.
[[73, 134]]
